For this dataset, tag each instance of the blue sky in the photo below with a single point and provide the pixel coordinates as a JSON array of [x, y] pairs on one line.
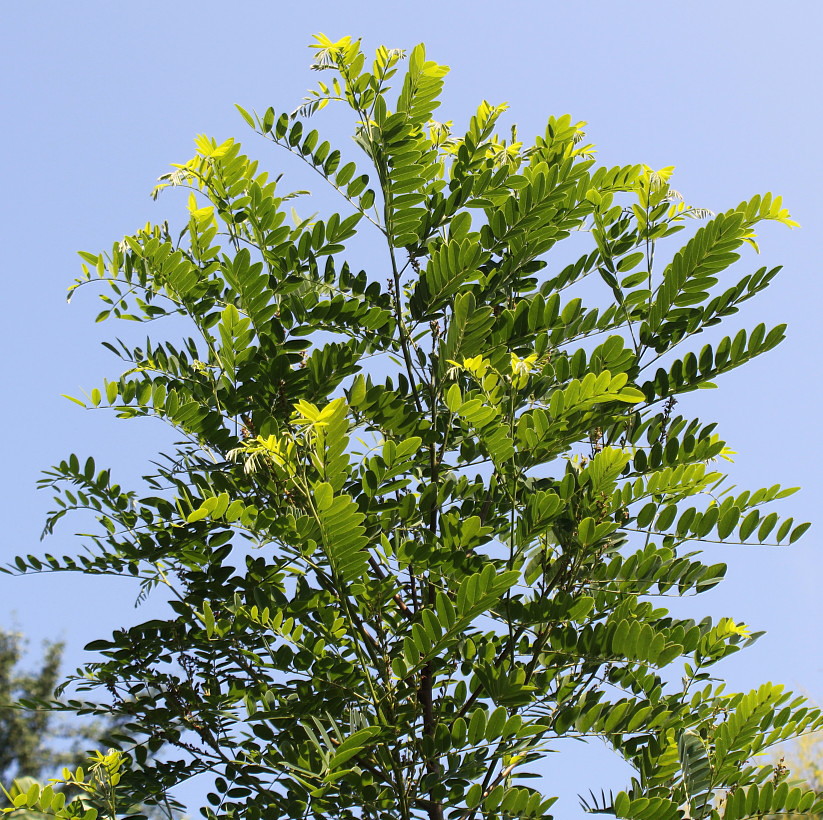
[[100, 97]]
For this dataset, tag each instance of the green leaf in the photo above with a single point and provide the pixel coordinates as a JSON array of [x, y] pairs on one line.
[[496, 722], [208, 618], [477, 726], [198, 515], [246, 116], [323, 496], [454, 398], [353, 745]]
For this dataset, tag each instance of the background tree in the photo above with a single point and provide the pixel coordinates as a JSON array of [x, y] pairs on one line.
[[803, 759], [26, 737], [33, 745], [388, 598]]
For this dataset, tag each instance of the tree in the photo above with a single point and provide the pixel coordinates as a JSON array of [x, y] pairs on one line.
[[24, 736], [32, 745], [419, 516]]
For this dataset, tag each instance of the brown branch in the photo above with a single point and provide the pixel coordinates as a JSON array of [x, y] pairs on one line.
[[435, 809]]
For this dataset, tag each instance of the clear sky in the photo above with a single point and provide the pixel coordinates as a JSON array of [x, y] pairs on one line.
[[99, 97]]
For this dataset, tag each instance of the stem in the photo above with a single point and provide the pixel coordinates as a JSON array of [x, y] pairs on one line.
[[403, 331], [425, 693], [512, 518], [425, 689]]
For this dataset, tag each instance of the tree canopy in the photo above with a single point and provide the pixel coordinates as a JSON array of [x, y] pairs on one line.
[[422, 518]]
